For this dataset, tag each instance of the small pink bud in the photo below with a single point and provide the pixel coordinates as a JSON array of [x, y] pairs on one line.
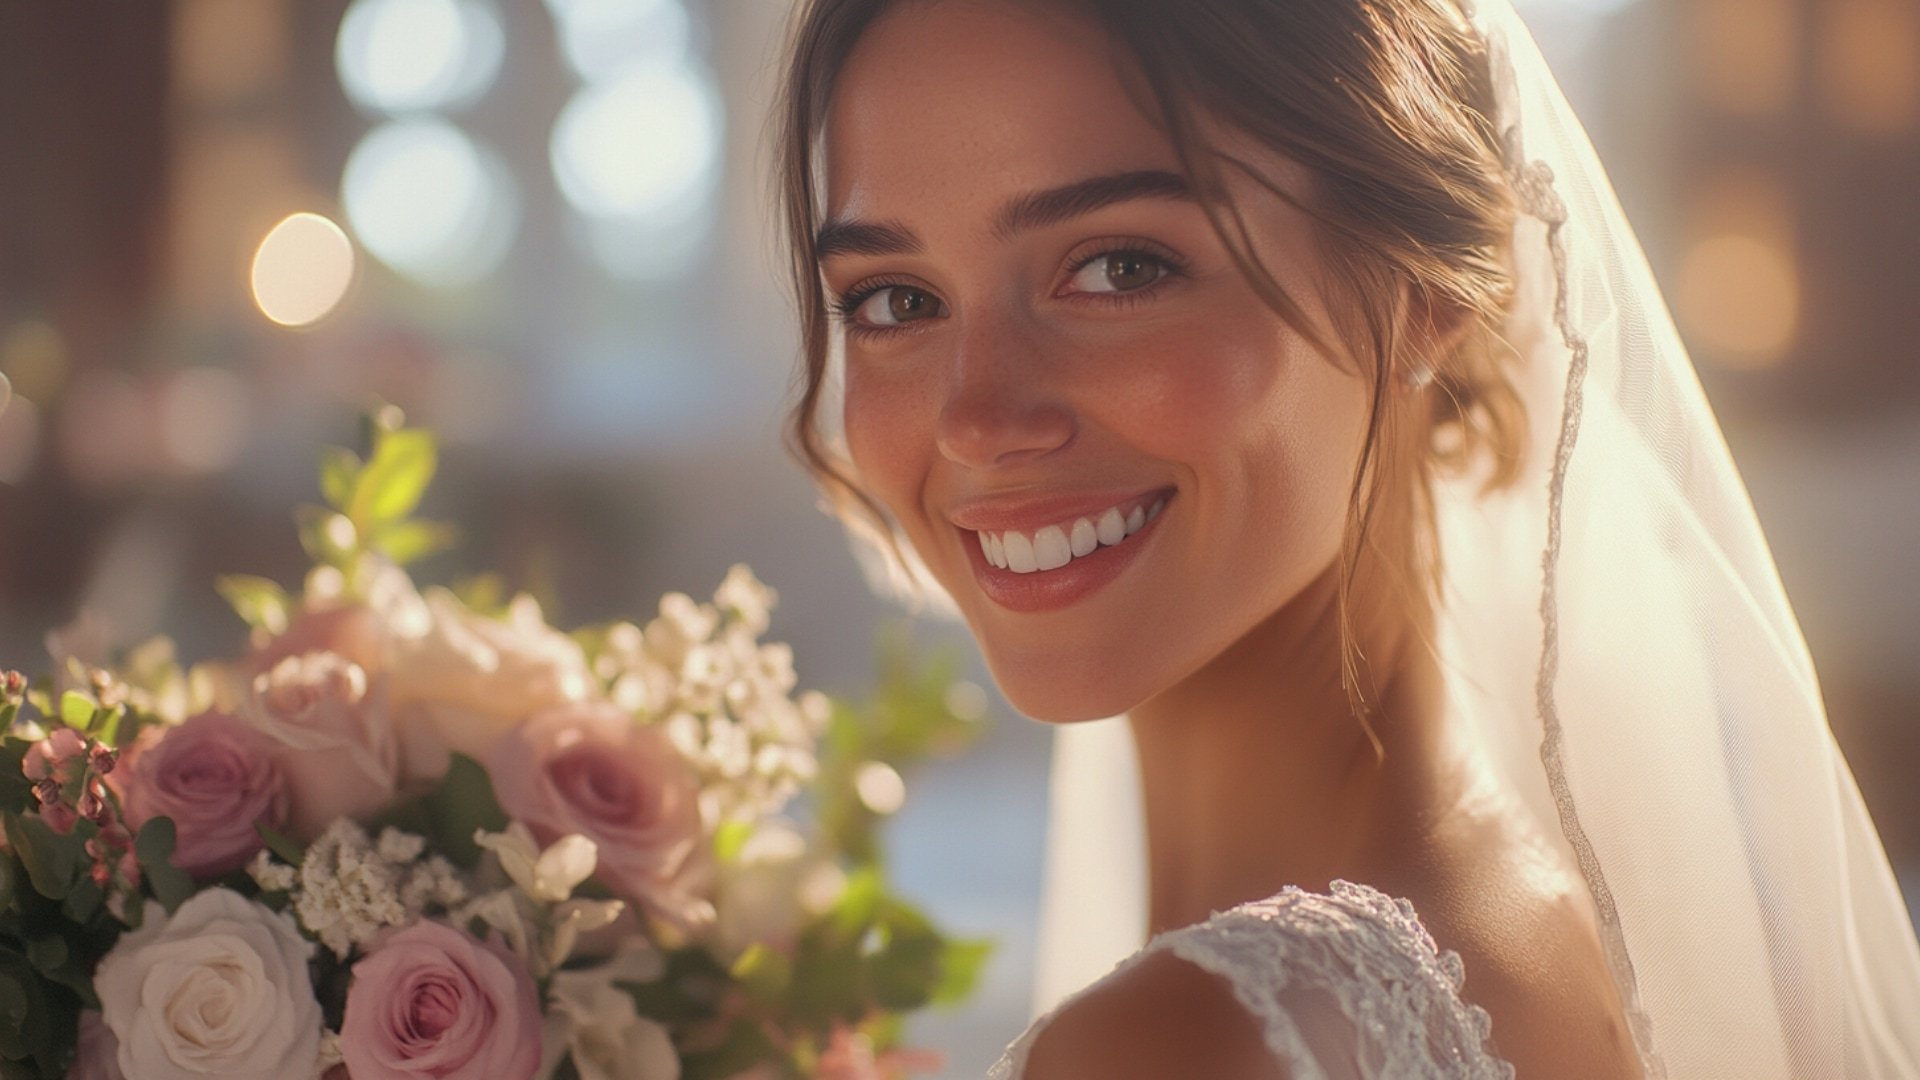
[[59, 817], [47, 791], [130, 870], [92, 806], [13, 684], [116, 836], [102, 874], [103, 760], [37, 764]]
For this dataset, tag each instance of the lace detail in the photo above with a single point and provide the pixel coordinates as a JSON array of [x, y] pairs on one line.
[[1353, 956]]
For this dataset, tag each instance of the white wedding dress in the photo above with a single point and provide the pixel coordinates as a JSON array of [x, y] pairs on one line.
[[1344, 985]]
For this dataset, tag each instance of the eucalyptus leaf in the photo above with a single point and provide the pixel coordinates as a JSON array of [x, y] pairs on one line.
[[52, 861], [76, 710], [154, 849]]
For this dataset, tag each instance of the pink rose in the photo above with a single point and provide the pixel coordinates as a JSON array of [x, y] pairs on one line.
[[429, 1001], [214, 775], [592, 769], [355, 631], [335, 739]]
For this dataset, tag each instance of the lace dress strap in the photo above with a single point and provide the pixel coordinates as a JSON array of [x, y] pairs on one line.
[[1345, 985]]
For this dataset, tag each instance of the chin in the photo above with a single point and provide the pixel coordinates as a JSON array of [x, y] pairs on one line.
[[1056, 690]]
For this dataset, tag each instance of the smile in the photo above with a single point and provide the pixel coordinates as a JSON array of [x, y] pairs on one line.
[[1054, 546]]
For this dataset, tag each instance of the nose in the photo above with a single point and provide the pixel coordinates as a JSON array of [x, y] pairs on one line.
[[1001, 408]]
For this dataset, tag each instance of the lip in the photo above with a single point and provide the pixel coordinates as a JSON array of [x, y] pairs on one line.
[[1051, 590], [1030, 513]]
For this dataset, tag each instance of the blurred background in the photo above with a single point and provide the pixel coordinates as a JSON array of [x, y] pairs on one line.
[[545, 230]]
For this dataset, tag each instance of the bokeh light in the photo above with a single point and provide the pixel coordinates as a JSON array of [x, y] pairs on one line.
[[1747, 53], [203, 419], [600, 37], [430, 202], [1740, 298], [400, 56], [302, 269], [1869, 64], [641, 145]]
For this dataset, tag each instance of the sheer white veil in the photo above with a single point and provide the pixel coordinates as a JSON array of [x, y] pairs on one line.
[[1614, 625]]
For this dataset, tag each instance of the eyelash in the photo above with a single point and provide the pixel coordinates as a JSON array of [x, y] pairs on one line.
[[843, 307]]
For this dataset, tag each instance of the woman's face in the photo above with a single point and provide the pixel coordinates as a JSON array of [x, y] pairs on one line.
[[1108, 449]]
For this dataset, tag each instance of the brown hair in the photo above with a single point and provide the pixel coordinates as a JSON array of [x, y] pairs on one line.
[[1389, 106]]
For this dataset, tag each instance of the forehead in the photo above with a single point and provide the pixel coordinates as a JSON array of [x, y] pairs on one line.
[[956, 103]]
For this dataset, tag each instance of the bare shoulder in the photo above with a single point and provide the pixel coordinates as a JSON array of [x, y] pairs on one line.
[[1162, 1017], [1527, 936]]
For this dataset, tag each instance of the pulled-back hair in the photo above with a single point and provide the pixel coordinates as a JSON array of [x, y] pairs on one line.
[[1388, 105]]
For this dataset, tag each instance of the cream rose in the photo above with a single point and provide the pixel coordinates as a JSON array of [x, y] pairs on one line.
[[470, 678], [219, 989], [336, 743]]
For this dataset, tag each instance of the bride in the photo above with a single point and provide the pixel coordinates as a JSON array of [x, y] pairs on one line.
[[1282, 375]]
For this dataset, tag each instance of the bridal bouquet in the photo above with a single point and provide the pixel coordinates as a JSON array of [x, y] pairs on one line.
[[425, 834]]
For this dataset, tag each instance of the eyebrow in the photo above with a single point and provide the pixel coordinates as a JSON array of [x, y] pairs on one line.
[[1023, 212]]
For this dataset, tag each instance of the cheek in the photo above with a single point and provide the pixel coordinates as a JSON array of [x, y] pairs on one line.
[[889, 435]]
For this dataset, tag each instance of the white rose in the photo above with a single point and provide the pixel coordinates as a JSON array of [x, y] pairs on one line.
[[595, 1023], [470, 678], [219, 989]]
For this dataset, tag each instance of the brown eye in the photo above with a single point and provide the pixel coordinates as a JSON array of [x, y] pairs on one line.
[[1119, 271], [892, 305]]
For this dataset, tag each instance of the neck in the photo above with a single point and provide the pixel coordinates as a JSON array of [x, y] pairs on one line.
[[1256, 774]]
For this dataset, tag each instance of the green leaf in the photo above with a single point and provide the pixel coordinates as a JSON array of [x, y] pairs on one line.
[[76, 710], [52, 861], [339, 475], [82, 901], [284, 847], [410, 541], [961, 964], [395, 478], [260, 602], [765, 973], [448, 815], [859, 903], [154, 849], [47, 953]]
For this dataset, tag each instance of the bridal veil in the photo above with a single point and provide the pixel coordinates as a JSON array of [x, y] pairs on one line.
[[1614, 625]]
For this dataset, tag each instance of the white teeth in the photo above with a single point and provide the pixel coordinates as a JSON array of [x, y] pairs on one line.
[[1084, 538], [1057, 545], [1050, 548], [1020, 558]]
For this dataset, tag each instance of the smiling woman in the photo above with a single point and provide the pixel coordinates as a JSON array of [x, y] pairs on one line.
[[1189, 352]]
